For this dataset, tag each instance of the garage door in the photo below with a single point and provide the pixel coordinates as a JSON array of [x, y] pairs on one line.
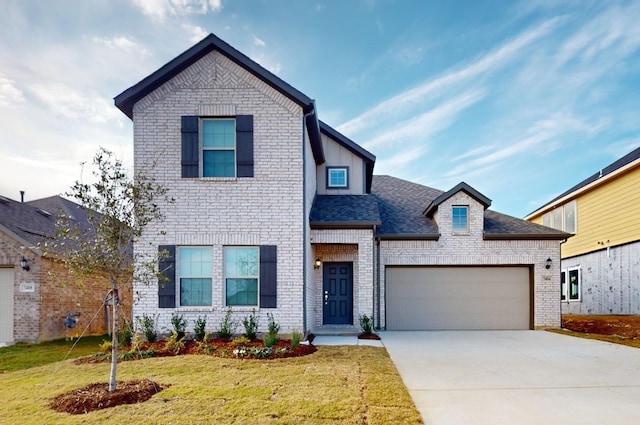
[[456, 298], [6, 306]]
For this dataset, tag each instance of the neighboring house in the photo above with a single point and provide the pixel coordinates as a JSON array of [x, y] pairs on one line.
[[601, 264], [278, 212], [37, 293]]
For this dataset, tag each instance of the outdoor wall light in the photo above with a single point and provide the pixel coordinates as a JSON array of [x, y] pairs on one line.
[[317, 263], [24, 265], [548, 265]]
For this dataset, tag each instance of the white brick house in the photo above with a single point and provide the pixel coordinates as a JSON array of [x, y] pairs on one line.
[[278, 212]]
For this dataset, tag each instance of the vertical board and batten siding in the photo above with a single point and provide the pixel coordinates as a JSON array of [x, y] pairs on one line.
[[266, 209], [337, 155]]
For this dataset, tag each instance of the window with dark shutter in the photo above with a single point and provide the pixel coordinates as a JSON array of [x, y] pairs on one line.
[[268, 276], [244, 145], [167, 276], [190, 146]]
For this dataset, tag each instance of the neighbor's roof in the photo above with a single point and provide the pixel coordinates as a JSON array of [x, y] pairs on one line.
[[601, 175], [31, 223], [402, 204], [344, 211]]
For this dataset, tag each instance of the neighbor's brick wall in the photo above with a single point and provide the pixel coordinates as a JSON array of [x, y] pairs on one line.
[[471, 249], [38, 316], [339, 245], [64, 293], [267, 209]]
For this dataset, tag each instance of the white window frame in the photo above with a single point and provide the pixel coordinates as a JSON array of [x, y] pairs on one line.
[[203, 148], [560, 214], [343, 169], [565, 288], [180, 276], [460, 231], [256, 277]]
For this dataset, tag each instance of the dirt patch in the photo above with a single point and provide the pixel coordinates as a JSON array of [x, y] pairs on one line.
[[97, 396], [627, 327]]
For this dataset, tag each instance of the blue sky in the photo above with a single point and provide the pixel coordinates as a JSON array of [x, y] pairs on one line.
[[519, 99]]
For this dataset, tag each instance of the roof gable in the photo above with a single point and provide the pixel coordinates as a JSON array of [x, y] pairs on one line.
[[126, 100], [368, 158], [462, 186]]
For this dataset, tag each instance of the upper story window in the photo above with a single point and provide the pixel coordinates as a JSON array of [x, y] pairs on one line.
[[218, 148], [337, 177], [195, 274], [562, 218], [460, 219]]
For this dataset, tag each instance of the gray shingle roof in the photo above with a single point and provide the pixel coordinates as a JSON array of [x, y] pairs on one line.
[[340, 211], [35, 221], [402, 204]]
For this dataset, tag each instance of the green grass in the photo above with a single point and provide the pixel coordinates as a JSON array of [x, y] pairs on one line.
[[342, 384], [25, 356]]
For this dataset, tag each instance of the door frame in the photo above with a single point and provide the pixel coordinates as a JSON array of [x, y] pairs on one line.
[[348, 316]]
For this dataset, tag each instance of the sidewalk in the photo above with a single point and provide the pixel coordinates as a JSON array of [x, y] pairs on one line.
[[345, 340]]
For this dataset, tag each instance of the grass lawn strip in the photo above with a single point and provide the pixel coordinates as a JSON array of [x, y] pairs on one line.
[[341, 384]]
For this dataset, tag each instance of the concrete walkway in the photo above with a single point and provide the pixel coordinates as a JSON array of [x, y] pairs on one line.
[[517, 377], [345, 340]]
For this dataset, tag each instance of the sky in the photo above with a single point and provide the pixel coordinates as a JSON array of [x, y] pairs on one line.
[[519, 99]]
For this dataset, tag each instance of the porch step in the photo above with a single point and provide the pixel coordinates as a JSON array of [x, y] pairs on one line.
[[336, 331]]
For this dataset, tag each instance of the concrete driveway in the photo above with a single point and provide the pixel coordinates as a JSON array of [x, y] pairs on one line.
[[517, 377]]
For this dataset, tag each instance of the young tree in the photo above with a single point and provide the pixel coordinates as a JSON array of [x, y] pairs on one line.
[[118, 209]]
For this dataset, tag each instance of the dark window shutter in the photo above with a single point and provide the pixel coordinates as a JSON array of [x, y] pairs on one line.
[[190, 146], [167, 279], [244, 145], [268, 276]]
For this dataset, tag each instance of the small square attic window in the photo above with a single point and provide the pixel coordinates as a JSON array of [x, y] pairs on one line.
[[337, 177]]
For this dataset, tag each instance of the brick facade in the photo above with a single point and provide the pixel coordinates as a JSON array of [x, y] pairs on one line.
[[267, 209]]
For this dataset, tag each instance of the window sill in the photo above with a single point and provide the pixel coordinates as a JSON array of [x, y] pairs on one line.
[[460, 234], [195, 309], [218, 179]]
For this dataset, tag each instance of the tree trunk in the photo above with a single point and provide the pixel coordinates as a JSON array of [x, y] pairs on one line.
[[114, 340]]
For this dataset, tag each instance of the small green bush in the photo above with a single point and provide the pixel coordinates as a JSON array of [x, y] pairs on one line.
[[199, 332], [273, 327], [269, 339], [250, 325], [296, 337], [148, 325], [366, 324], [179, 325], [125, 334], [174, 343], [227, 326]]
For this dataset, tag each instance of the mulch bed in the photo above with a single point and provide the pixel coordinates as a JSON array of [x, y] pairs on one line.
[[619, 325], [97, 396]]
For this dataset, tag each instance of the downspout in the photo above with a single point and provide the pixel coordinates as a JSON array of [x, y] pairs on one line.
[[374, 310], [560, 297], [377, 271], [304, 226]]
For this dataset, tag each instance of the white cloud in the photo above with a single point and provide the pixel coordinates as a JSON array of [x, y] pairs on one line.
[[197, 32], [160, 9], [418, 129], [122, 43], [258, 42], [407, 100], [64, 101], [9, 93]]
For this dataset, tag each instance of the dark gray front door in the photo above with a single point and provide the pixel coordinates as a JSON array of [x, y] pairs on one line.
[[337, 293]]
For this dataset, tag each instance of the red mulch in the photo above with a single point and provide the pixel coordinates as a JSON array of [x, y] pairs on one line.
[[369, 336], [619, 325], [97, 396]]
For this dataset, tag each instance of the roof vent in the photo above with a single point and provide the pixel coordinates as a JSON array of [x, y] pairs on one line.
[[600, 176], [44, 213]]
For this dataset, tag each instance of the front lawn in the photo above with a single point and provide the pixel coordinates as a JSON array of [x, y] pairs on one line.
[[343, 384], [24, 356]]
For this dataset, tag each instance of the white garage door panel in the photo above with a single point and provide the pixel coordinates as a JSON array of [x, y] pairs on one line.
[[6, 306], [447, 298]]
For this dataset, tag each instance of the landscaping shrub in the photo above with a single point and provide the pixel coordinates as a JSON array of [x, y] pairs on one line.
[[366, 324], [227, 326], [250, 325], [148, 325], [179, 325], [199, 332]]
